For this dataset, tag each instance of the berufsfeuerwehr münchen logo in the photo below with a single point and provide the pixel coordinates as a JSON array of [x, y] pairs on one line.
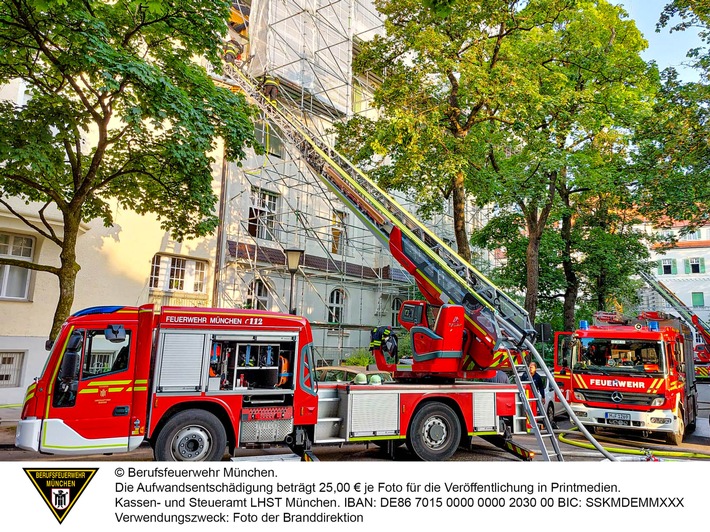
[[60, 488]]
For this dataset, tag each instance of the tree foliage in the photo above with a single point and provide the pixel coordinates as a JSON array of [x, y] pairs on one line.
[[447, 70], [116, 108], [505, 103]]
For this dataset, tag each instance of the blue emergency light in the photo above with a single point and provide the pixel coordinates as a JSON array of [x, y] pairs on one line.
[[584, 325], [653, 326]]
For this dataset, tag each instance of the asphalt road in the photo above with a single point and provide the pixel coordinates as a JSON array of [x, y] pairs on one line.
[[573, 447]]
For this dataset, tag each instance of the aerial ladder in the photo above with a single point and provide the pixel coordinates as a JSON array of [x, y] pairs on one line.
[[682, 309], [498, 331]]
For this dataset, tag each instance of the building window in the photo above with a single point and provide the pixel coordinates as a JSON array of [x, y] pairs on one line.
[[262, 214], [199, 278], [696, 265], [698, 299], [258, 296], [269, 136], [178, 274], [15, 281], [396, 305], [339, 232], [10, 369], [155, 272], [667, 267], [695, 235], [336, 306]]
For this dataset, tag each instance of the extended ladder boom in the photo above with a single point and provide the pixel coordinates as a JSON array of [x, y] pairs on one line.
[[497, 321], [674, 301], [441, 274]]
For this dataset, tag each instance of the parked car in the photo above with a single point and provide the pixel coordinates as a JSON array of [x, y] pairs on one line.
[[348, 373], [553, 407]]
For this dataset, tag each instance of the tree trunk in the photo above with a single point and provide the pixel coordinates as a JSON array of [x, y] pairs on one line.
[[601, 291], [571, 281], [532, 256], [68, 270], [535, 221], [459, 206]]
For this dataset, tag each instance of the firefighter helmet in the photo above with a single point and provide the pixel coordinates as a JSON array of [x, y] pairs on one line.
[[360, 378], [375, 379]]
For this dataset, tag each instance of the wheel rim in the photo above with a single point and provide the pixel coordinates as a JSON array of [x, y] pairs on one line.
[[191, 444], [435, 433]]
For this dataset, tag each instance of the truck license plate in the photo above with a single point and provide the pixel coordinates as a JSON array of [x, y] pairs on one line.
[[618, 416]]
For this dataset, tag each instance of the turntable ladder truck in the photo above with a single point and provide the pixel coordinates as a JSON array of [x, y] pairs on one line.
[[496, 332]]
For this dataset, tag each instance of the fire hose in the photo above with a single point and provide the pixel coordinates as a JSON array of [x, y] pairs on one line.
[[645, 450]]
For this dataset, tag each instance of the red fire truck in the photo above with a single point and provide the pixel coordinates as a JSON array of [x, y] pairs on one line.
[[632, 374], [194, 382]]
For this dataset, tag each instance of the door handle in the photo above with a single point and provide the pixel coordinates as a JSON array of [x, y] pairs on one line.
[[120, 411]]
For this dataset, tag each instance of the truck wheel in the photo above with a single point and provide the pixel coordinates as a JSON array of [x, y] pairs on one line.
[[191, 436], [434, 432], [676, 438], [551, 414]]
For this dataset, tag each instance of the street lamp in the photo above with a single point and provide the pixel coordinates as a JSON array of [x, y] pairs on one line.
[[293, 259]]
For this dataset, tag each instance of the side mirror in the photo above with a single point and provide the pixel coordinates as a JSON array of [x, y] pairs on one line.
[[67, 371], [48, 345], [115, 333]]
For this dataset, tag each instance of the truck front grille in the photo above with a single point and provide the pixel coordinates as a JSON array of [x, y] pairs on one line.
[[637, 399]]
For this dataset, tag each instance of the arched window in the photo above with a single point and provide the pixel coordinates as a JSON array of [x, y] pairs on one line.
[[336, 306], [258, 296]]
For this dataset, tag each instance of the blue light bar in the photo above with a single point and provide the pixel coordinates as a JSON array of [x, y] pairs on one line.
[[653, 326], [584, 325]]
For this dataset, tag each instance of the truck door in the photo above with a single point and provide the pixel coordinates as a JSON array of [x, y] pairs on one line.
[[563, 353], [90, 395]]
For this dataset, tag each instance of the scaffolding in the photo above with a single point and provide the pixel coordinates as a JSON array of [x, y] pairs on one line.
[[273, 202], [309, 46]]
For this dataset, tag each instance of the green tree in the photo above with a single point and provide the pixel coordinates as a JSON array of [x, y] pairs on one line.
[[116, 108], [588, 88], [674, 154], [446, 71]]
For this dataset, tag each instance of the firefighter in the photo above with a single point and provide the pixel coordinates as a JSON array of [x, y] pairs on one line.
[[270, 87], [232, 52]]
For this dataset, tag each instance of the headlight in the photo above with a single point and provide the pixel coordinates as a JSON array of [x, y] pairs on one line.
[[579, 396], [658, 401]]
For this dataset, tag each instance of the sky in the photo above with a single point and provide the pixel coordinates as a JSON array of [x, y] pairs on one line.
[[666, 48]]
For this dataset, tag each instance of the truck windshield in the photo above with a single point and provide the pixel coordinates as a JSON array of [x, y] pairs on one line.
[[618, 356]]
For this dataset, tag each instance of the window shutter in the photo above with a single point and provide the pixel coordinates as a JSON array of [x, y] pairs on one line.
[[660, 267], [698, 299], [674, 266], [702, 265], [686, 263]]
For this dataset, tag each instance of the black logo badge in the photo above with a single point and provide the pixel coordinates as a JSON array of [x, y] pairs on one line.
[[60, 488]]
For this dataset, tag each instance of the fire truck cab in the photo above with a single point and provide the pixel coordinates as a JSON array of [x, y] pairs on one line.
[[631, 374]]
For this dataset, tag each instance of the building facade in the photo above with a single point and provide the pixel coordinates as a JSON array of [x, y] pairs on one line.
[[682, 269]]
